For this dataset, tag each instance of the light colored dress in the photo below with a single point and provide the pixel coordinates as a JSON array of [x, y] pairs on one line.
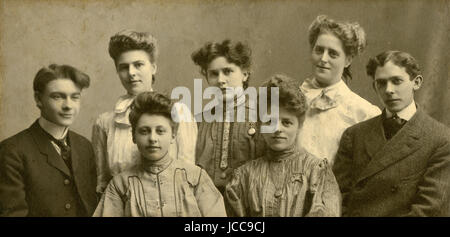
[[165, 188], [284, 184], [331, 110], [114, 148]]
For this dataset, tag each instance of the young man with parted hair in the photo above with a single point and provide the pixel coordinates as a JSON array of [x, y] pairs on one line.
[[47, 169], [398, 163]]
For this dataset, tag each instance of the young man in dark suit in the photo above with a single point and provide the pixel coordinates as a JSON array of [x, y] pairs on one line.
[[396, 164], [48, 170]]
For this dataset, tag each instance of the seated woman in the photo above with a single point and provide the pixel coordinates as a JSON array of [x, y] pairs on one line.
[[135, 55], [286, 181], [159, 185]]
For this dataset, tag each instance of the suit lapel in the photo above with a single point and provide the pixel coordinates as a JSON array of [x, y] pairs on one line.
[[47, 149], [75, 156], [405, 142], [375, 139]]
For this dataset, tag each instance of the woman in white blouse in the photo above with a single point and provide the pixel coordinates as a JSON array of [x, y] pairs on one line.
[[333, 107], [134, 54]]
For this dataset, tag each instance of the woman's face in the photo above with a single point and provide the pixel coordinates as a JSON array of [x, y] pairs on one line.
[[285, 135], [222, 74], [135, 71], [153, 136], [328, 59]]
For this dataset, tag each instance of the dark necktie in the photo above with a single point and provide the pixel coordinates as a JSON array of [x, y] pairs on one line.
[[392, 125], [65, 150]]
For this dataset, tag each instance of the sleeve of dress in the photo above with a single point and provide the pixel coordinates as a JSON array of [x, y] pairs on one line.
[[111, 203], [101, 155], [12, 184], [234, 194], [326, 195], [187, 133], [209, 199]]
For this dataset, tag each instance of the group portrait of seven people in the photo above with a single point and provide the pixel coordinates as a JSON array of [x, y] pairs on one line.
[[330, 153]]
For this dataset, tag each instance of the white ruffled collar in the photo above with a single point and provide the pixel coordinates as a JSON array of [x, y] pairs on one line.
[[122, 109], [323, 98]]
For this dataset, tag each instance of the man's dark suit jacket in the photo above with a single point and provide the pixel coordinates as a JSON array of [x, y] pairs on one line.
[[408, 175], [35, 181]]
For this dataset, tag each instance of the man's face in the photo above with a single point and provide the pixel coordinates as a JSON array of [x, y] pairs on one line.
[[153, 136], [394, 87], [135, 71], [60, 101]]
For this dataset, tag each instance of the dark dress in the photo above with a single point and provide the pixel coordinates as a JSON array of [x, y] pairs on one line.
[[223, 146]]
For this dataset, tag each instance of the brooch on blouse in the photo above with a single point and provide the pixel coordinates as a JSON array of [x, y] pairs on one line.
[[252, 130]]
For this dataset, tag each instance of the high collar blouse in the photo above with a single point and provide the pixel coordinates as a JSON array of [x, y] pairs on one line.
[[331, 110], [291, 183], [114, 148], [166, 188]]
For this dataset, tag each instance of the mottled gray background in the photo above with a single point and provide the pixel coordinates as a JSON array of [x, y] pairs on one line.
[[34, 34]]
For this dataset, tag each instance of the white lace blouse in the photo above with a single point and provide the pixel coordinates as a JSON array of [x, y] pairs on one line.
[[331, 110]]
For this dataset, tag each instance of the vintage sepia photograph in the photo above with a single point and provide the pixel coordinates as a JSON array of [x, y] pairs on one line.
[[215, 108]]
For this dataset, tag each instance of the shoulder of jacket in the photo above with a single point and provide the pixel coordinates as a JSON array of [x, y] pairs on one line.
[[79, 138], [434, 127], [16, 137], [364, 125], [17, 141]]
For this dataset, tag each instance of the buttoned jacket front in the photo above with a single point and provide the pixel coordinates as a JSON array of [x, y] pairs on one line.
[[35, 181], [408, 175]]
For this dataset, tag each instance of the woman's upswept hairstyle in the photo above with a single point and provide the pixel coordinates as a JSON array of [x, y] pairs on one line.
[[237, 53], [352, 36], [152, 103], [398, 58], [55, 71], [127, 40], [289, 94]]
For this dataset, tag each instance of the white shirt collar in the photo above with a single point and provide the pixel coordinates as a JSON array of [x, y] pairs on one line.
[[57, 131], [405, 113]]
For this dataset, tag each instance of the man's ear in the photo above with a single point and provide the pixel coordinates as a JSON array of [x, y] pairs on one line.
[[37, 99], [418, 80]]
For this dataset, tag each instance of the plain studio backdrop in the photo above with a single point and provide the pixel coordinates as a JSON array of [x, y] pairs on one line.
[[34, 34]]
